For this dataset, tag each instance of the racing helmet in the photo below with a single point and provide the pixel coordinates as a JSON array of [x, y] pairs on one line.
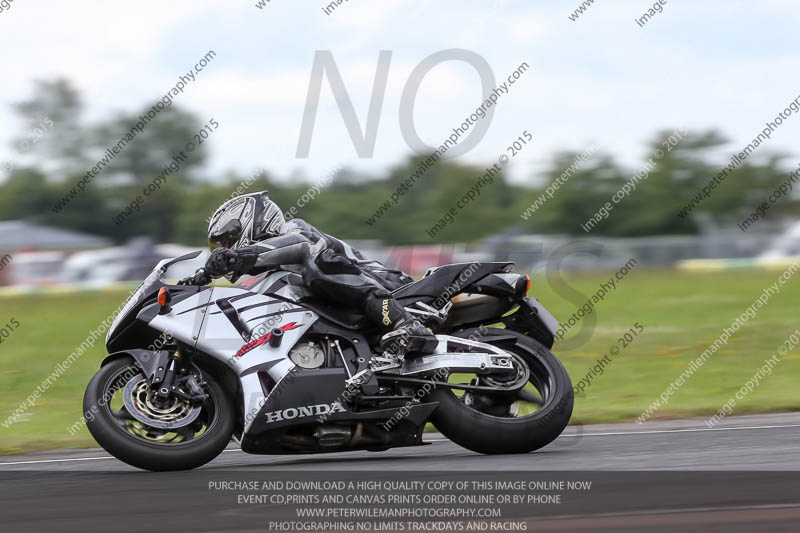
[[244, 220]]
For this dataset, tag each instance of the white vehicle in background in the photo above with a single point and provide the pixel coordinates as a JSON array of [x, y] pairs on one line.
[[786, 245], [95, 268], [123, 263], [35, 268]]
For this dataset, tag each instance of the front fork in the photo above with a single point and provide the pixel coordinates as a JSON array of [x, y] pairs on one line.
[[167, 384], [166, 371], [177, 377]]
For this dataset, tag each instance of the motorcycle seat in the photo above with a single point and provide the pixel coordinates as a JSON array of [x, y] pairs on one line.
[[447, 280]]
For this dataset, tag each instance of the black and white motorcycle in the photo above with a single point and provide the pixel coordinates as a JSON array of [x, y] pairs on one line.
[[282, 371]]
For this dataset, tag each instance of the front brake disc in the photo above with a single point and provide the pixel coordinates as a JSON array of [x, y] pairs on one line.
[[138, 399]]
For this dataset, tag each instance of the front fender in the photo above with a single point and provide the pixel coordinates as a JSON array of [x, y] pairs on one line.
[[152, 362]]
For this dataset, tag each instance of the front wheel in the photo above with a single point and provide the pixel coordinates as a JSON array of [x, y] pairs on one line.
[[494, 423], [125, 418]]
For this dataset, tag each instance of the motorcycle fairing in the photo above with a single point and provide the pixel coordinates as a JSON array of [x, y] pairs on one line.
[[180, 321], [298, 399], [223, 320]]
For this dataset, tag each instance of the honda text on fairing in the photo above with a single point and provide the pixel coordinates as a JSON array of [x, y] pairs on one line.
[[282, 371]]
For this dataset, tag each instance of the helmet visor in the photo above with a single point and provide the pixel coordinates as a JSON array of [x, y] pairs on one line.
[[226, 230], [226, 236]]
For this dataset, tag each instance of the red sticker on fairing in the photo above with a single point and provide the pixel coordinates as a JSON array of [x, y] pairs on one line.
[[250, 282], [265, 339]]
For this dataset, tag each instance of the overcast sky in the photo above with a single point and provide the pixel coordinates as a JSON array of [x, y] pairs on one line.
[[729, 64]]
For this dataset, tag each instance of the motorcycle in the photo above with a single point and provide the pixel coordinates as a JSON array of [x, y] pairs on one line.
[[280, 370]]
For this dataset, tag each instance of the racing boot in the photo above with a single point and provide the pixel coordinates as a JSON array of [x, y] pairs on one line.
[[403, 333]]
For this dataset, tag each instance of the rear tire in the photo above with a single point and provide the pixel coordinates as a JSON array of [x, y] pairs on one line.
[[137, 452], [484, 433]]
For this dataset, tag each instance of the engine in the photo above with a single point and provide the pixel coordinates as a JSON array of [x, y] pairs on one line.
[[308, 355]]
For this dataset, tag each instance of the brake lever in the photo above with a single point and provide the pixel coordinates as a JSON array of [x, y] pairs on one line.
[[196, 278]]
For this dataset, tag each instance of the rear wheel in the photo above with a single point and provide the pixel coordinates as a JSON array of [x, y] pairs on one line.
[[126, 419], [520, 422]]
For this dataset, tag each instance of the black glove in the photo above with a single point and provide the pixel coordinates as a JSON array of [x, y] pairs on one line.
[[200, 278], [222, 261]]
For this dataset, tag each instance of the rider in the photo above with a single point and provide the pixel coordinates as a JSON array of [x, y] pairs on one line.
[[249, 235]]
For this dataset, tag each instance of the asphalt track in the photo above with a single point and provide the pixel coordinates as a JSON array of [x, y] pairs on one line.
[[742, 475]]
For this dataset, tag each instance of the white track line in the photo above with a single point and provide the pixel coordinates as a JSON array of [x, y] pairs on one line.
[[57, 460], [647, 432], [688, 430], [736, 507], [105, 457]]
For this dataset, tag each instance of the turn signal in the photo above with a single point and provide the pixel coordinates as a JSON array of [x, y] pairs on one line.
[[527, 284], [164, 300]]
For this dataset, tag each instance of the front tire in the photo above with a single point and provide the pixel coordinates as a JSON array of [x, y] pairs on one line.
[[113, 431], [485, 433]]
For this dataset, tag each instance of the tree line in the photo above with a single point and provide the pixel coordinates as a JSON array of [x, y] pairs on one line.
[[567, 193]]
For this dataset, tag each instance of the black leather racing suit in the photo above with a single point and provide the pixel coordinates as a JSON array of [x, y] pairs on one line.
[[331, 268]]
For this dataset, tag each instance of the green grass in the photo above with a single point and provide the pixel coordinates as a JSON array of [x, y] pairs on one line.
[[682, 313], [51, 327]]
